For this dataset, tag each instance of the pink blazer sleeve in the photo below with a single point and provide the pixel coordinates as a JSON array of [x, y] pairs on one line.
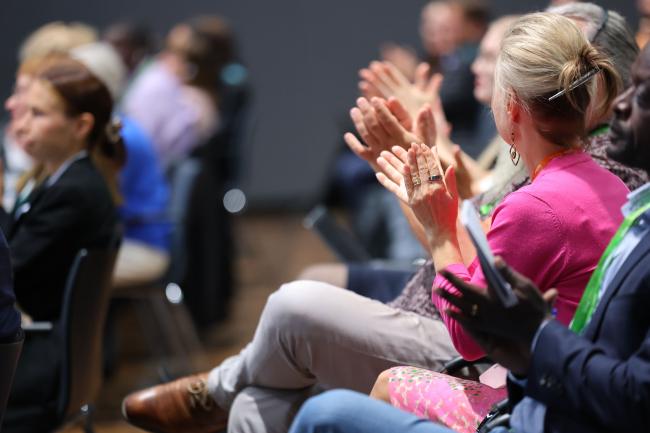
[[527, 234]]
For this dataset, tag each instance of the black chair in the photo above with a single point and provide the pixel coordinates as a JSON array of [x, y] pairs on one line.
[[341, 241], [167, 326], [499, 416], [80, 330], [163, 316], [9, 354]]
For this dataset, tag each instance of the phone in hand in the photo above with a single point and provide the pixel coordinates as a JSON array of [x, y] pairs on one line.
[[470, 220]]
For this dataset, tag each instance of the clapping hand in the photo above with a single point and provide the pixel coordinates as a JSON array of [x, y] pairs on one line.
[[383, 124], [505, 333], [404, 58], [385, 80], [432, 194]]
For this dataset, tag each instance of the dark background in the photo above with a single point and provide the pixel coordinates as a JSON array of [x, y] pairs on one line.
[[302, 56]]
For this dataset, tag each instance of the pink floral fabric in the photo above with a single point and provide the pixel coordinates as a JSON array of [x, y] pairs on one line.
[[456, 403]]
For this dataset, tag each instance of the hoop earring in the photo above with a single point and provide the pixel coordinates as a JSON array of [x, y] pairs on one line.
[[514, 155]]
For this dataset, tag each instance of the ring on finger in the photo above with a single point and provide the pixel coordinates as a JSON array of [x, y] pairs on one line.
[[435, 178], [474, 311], [416, 181]]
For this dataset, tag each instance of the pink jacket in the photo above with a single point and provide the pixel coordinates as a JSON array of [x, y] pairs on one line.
[[553, 231]]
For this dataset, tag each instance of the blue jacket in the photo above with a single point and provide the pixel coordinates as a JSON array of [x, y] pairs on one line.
[[145, 190]]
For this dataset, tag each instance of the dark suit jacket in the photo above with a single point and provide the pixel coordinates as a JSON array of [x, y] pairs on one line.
[[599, 382], [46, 233], [44, 236]]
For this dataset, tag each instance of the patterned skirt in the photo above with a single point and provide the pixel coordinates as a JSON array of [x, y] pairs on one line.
[[456, 403]]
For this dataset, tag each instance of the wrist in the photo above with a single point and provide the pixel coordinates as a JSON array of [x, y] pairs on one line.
[[442, 238], [445, 251]]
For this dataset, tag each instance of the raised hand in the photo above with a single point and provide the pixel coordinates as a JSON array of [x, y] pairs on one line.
[[404, 58], [432, 194], [391, 174], [383, 79], [383, 124], [464, 179]]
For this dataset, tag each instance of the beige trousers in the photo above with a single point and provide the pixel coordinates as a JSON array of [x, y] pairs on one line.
[[314, 336], [138, 263]]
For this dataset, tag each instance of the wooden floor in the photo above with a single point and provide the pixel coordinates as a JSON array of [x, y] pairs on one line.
[[271, 249]]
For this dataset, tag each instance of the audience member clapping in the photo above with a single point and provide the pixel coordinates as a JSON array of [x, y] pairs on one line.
[[450, 32]]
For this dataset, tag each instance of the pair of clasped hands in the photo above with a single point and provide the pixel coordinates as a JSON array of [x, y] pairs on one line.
[[405, 154]]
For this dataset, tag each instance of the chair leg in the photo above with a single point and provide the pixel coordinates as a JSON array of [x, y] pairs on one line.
[[88, 412], [189, 335], [154, 328]]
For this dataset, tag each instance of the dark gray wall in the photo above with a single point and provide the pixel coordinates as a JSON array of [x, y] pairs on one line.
[[303, 57]]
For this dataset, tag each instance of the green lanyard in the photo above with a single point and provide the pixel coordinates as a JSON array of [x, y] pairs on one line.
[[599, 130], [591, 296]]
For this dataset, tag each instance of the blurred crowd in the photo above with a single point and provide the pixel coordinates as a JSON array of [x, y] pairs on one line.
[[500, 173], [114, 135]]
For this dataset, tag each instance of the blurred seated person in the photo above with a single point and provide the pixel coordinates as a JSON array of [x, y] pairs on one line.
[[15, 161], [55, 37], [144, 253], [175, 99], [134, 43], [450, 31], [64, 204], [375, 216]]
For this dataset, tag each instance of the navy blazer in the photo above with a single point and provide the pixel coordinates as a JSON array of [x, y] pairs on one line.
[[47, 231], [599, 382]]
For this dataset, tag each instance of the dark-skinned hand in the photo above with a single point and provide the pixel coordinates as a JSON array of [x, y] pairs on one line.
[[505, 333]]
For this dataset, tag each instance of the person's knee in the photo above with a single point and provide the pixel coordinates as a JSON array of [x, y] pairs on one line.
[[380, 390], [324, 412], [295, 306], [244, 417], [265, 410]]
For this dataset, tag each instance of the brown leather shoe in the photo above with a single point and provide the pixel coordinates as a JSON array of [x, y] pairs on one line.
[[183, 405]]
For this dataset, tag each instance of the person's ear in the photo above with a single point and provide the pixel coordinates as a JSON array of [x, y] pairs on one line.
[[514, 108], [84, 124]]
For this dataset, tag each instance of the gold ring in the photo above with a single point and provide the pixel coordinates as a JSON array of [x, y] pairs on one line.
[[474, 310], [416, 181]]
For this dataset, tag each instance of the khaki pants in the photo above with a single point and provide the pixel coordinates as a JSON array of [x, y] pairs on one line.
[[138, 263], [314, 336]]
